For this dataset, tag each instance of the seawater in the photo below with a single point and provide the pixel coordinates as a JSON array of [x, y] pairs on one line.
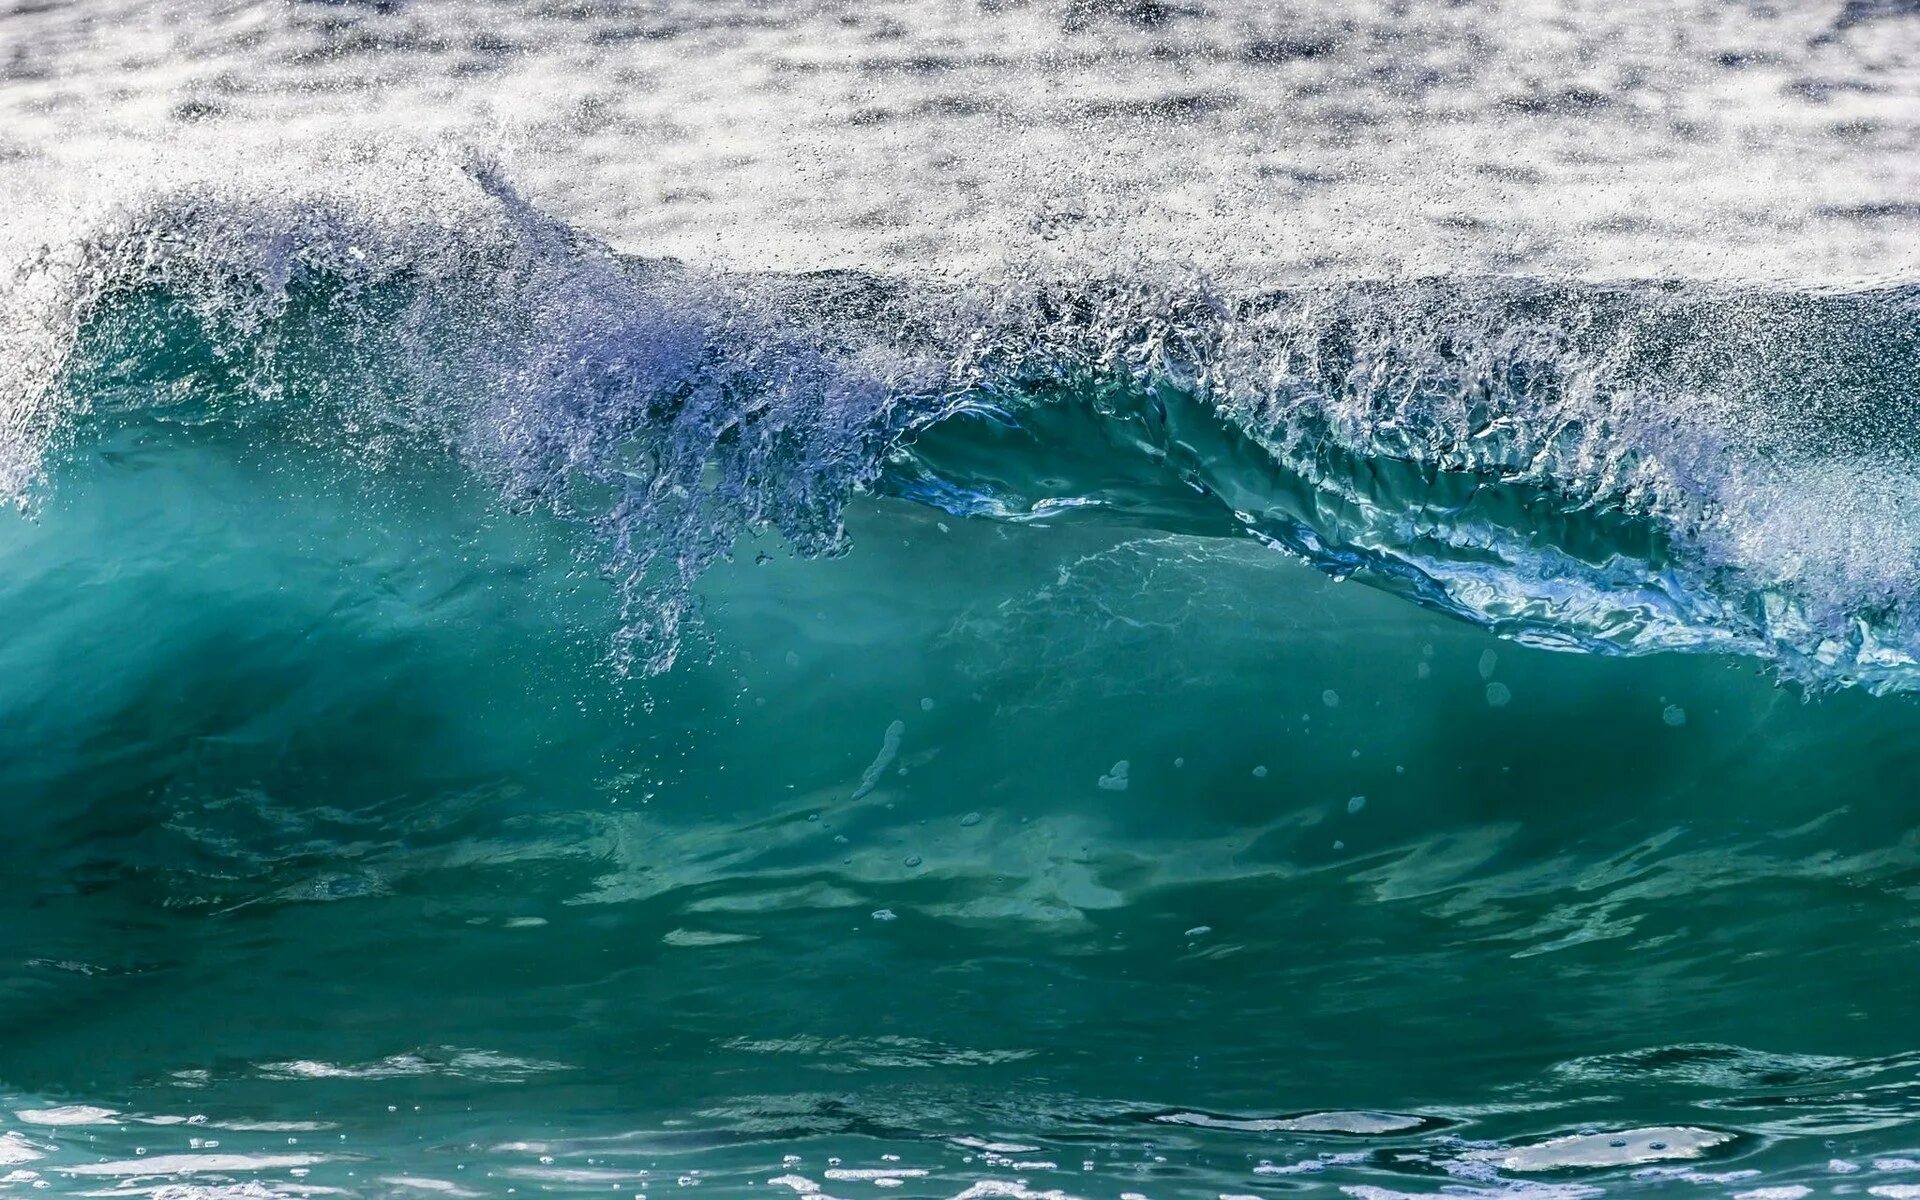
[[523, 672]]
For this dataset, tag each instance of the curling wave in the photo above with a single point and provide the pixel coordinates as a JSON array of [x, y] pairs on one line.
[[1609, 468]]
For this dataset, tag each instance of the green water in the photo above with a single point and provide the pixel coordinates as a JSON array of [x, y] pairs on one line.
[[339, 857]]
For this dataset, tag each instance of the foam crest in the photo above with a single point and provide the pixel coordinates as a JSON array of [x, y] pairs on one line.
[[418, 297], [1616, 469]]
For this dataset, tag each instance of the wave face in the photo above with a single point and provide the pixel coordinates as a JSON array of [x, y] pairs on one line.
[[1615, 469]]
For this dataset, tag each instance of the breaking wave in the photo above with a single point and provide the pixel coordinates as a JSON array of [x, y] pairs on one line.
[[1613, 468]]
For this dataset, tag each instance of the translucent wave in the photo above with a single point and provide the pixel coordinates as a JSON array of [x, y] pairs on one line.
[[1606, 468]]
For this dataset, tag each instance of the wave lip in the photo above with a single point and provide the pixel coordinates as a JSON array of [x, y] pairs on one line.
[[1615, 469], [422, 302]]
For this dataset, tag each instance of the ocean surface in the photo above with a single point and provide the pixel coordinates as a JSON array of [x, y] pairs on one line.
[[1049, 599]]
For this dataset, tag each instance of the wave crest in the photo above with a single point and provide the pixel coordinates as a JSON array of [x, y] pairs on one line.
[[1616, 469]]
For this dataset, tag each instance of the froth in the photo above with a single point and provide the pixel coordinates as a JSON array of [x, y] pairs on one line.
[[1617, 469]]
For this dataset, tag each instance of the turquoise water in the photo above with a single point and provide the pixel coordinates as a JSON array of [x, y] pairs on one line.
[[1060, 823]]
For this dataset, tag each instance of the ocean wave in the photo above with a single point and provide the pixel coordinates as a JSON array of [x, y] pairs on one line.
[[1612, 468]]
